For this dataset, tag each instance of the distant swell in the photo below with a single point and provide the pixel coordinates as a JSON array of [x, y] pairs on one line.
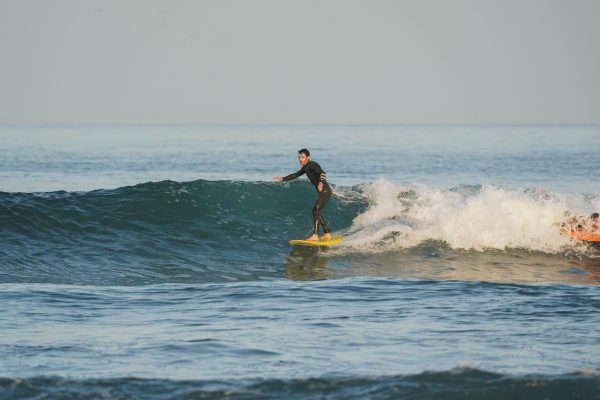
[[455, 384]]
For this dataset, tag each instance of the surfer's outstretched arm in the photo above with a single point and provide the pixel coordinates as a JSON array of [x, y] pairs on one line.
[[294, 175], [290, 176]]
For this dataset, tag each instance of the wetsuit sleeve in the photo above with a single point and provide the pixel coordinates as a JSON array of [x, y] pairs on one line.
[[319, 170], [294, 175]]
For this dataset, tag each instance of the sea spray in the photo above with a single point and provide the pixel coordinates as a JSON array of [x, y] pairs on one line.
[[469, 217]]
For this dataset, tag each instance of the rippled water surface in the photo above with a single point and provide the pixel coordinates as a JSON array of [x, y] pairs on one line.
[[152, 262]]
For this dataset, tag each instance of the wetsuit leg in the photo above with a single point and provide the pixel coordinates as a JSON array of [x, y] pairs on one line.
[[320, 204]]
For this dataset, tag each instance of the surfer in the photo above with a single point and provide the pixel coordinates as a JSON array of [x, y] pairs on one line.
[[592, 224], [595, 221], [317, 176], [582, 228]]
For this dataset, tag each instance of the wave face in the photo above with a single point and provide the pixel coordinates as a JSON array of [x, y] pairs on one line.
[[213, 231], [455, 384], [168, 230]]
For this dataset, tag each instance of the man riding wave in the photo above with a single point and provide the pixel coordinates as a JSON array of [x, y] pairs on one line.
[[317, 176]]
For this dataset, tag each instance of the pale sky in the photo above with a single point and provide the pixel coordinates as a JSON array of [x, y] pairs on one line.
[[300, 62]]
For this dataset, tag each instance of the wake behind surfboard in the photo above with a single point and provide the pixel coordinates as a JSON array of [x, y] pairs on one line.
[[335, 240]]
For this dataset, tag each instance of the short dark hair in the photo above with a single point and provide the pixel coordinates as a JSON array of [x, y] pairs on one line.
[[594, 215], [305, 152]]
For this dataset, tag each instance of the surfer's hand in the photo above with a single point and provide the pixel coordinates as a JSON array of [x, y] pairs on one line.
[[278, 178], [320, 187]]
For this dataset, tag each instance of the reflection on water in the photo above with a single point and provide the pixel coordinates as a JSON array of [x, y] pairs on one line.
[[307, 263], [434, 261]]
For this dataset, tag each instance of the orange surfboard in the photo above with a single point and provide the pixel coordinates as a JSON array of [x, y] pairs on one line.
[[583, 235]]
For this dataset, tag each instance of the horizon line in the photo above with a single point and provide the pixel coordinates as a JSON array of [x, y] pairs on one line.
[[241, 124]]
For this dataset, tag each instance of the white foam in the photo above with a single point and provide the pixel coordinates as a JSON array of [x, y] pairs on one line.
[[475, 218]]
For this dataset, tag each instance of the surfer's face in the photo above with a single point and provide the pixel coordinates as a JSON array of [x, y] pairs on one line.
[[302, 158]]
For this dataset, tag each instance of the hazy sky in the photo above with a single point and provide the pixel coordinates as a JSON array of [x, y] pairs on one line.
[[308, 62]]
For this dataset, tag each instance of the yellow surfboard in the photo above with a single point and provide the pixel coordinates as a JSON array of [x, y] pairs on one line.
[[331, 242]]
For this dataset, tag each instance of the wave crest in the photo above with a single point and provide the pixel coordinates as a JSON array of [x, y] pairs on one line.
[[467, 217]]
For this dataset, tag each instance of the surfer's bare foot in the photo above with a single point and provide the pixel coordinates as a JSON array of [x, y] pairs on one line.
[[327, 236], [313, 238]]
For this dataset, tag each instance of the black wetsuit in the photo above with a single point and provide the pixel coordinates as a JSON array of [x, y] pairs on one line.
[[315, 174]]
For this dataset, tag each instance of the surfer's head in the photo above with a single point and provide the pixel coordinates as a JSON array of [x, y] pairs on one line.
[[595, 217], [303, 156]]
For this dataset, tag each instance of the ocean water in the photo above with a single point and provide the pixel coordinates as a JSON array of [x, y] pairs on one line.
[[152, 262]]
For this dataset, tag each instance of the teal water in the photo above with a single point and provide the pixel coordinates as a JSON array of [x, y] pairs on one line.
[[152, 262]]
